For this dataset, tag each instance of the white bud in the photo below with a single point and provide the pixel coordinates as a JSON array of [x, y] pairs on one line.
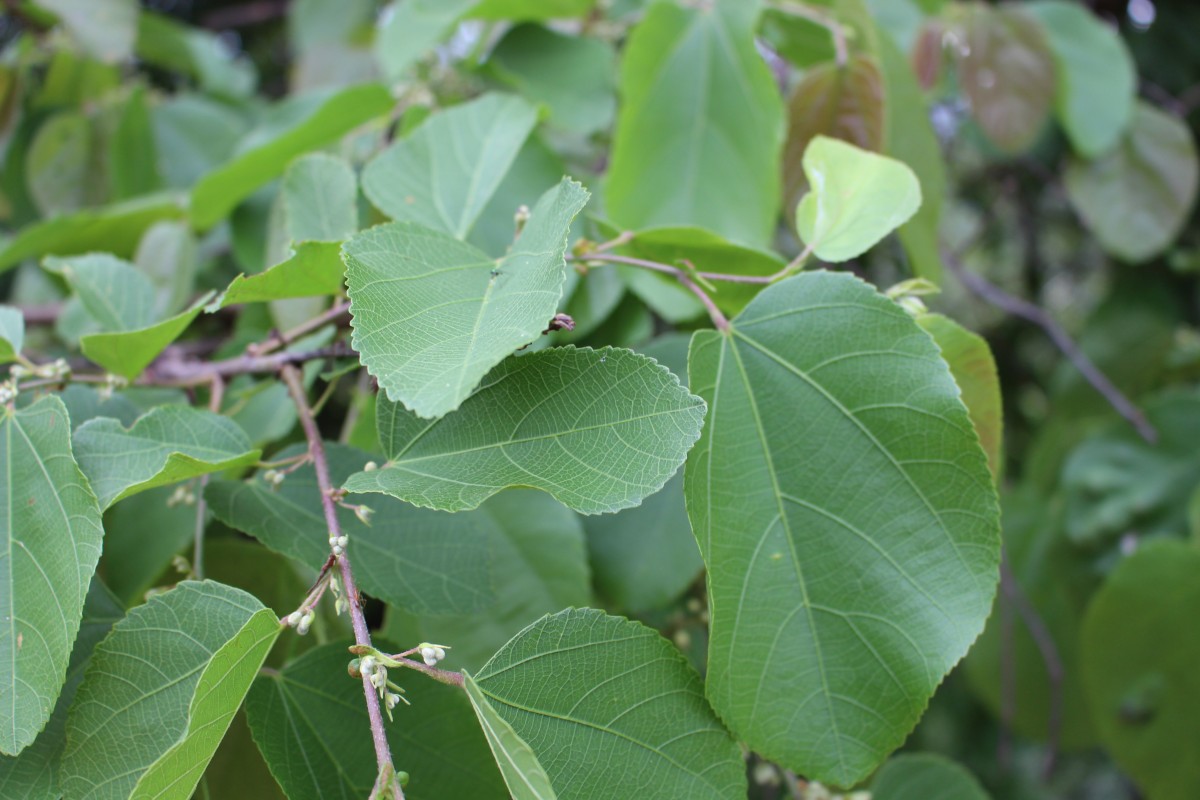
[[340, 605], [370, 466], [429, 656], [293, 619], [333, 541], [305, 623], [342, 541], [367, 665], [337, 550], [391, 698], [379, 677], [439, 652], [364, 514]]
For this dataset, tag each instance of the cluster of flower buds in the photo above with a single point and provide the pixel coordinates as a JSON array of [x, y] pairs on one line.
[[273, 478], [431, 654], [338, 544], [182, 496], [111, 384], [52, 370], [340, 603], [301, 619], [8, 392]]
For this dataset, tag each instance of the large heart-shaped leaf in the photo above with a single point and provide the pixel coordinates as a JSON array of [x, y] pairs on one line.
[[51, 543], [699, 131], [432, 314], [598, 429], [160, 691], [424, 561], [588, 694], [856, 198], [311, 725], [845, 511], [1139, 671], [443, 174], [166, 445]]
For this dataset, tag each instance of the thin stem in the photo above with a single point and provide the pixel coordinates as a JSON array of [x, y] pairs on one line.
[[194, 373], [362, 636], [216, 395], [841, 52], [441, 675], [277, 340], [667, 269], [1029, 312], [1044, 640], [719, 319]]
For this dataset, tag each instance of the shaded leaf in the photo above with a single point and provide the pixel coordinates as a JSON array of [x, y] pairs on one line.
[[858, 197], [194, 134], [51, 543], [589, 694], [114, 229], [1007, 74], [160, 691], [574, 76], [537, 553], [311, 725], [12, 333], [168, 254], [410, 29], [33, 775], [974, 370], [443, 174], [133, 162], [320, 198], [699, 131], [202, 55], [166, 445], [1097, 80], [421, 560], [142, 534], [302, 124], [597, 429], [1136, 198], [432, 315], [57, 165], [1115, 482], [924, 776], [837, 456], [1138, 671]]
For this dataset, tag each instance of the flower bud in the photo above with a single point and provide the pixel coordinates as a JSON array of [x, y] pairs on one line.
[[368, 665], [354, 668], [364, 514], [293, 619]]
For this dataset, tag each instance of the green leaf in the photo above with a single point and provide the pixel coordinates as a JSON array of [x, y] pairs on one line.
[[837, 456], [443, 174], [699, 131], [421, 560], [12, 333], [116, 229], [194, 134], [105, 29], [314, 269], [599, 430], [589, 694], [160, 691], [1115, 481], [311, 725], [1136, 198], [1139, 671], [432, 315], [524, 775], [1097, 80], [301, 124], [166, 445], [840, 102], [133, 161], [574, 76], [51, 544], [924, 776], [168, 255], [857, 198], [536, 548], [645, 557], [57, 168], [320, 199], [536, 169], [410, 29], [129, 352], [974, 370], [1007, 74], [530, 9], [114, 293], [33, 775]]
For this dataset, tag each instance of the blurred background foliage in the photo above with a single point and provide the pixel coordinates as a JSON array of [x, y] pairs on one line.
[[1059, 140]]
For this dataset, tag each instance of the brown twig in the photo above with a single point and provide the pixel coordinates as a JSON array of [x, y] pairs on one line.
[[1029, 312], [281, 339], [1044, 640], [667, 269], [362, 636], [186, 372]]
